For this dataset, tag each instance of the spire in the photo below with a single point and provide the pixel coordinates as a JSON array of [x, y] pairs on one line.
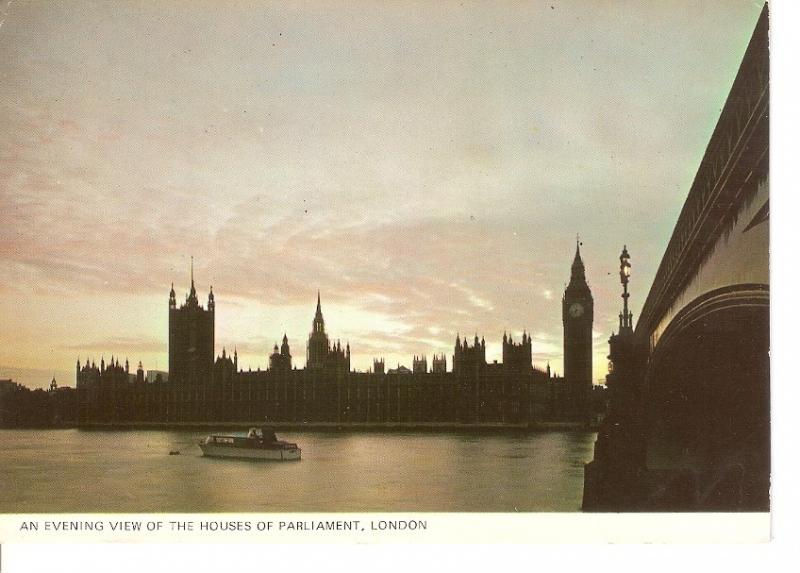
[[192, 292], [578, 271], [284, 345], [319, 322]]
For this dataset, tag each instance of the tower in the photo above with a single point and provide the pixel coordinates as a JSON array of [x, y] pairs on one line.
[[191, 338], [439, 364], [517, 356], [577, 314], [318, 343], [281, 359]]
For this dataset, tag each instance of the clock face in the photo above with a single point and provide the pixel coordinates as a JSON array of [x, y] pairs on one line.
[[576, 310]]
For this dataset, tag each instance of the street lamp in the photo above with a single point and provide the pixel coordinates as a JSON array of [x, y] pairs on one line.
[[624, 265], [625, 319]]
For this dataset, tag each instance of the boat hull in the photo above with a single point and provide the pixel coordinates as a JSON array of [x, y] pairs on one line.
[[267, 454]]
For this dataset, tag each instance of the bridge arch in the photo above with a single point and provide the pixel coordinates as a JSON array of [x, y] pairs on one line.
[[707, 410]]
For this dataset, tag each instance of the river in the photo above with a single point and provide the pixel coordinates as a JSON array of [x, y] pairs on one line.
[[80, 471]]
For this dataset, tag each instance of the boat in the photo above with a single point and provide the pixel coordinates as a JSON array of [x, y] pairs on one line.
[[256, 445]]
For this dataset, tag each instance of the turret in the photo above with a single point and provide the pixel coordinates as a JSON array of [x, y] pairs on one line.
[[172, 302], [211, 298], [285, 346]]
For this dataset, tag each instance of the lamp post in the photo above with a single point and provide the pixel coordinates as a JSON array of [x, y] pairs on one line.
[[626, 317]]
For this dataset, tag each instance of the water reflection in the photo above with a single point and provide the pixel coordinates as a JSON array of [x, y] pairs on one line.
[[80, 471]]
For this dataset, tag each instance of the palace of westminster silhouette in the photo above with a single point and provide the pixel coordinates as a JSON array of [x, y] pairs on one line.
[[201, 388]]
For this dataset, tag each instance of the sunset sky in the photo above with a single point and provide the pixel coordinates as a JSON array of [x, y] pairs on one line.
[[425, 165]]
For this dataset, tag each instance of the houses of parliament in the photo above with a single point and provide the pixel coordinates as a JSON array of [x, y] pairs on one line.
[[202, 388]]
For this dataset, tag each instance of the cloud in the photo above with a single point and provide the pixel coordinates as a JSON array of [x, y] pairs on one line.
[[425, 168], [108, 345]]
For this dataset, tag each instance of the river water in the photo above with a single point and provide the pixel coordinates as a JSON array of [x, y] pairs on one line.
[[131, 471]]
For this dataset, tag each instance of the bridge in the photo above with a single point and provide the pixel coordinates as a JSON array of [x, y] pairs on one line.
[[688, 421]]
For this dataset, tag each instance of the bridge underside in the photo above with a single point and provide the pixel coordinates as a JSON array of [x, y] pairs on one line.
[[707, 416]]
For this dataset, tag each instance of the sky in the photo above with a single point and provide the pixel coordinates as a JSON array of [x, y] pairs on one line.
[[426, 166]]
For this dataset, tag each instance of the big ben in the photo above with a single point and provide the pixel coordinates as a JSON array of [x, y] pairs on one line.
[[577, 315]]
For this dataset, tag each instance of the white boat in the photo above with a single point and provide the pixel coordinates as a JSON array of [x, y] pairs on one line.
[[256, 445]]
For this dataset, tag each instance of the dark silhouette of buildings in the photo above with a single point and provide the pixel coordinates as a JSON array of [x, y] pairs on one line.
[[201, 388], [21, 407], [518, 355], [191, 337], [281, 360], [320, 353], [439, 364], [577, 314]]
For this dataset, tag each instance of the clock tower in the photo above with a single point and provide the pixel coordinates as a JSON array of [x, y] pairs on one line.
[[577, 312]]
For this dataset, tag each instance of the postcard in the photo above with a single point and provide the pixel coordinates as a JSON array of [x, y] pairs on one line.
[[367, 271]]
